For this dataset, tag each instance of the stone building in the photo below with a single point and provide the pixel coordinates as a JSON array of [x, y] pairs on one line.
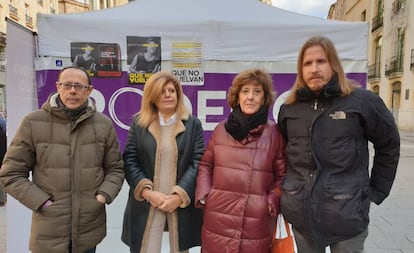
[[390, 50], [24, 12]]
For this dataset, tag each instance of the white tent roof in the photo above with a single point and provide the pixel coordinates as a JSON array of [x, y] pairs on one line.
[[230, 30]]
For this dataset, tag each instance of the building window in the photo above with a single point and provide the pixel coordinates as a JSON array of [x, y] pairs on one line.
[[378, 19], [28, 17], [397, 5], [13, 11], [26, 10], [380, 7], [374, 70], [395, 99], [2, 61], [400, 48], [364, 16], [396, 95]]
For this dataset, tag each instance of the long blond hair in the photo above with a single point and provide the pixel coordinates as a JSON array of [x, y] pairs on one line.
[[152, 94], [347, 86]]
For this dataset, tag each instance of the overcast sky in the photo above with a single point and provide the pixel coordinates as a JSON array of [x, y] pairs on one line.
[[318, 8]]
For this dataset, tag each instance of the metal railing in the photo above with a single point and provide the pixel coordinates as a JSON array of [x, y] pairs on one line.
[[3, 39], [13, 10], [2, 61], [374, 71], [394, 66], [377, 22], [29, 19]]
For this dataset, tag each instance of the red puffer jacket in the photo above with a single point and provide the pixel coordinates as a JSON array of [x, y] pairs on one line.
[[239, 181]]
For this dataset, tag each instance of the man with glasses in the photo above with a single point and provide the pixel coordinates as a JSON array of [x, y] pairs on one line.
[[73, 155]]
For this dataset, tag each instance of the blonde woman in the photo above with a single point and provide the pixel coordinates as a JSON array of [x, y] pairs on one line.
[[165, 143]]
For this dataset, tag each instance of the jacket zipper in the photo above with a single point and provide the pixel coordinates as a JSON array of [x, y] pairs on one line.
[[315, 104]]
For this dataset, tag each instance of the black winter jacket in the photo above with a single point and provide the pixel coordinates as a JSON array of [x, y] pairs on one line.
[[141, 157], [328, 188]]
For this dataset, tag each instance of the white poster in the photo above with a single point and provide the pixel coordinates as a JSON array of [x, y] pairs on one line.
[[21, 99], [187, 62]]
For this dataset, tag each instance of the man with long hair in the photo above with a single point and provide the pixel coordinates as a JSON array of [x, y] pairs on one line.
[[327, 121]]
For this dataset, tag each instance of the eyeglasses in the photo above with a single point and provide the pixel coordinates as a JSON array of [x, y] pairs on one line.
[[77, 86]]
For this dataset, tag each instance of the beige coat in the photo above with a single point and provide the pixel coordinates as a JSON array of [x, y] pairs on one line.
[[69, 163]]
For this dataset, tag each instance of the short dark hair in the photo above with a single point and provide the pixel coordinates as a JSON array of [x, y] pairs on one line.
[[75, 67]]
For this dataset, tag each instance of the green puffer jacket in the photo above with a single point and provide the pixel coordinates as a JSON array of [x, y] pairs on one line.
[[69, 163]]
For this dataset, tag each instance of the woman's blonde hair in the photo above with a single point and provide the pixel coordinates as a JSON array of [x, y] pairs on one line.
[[152, 94], [251, 75], [347, 86]]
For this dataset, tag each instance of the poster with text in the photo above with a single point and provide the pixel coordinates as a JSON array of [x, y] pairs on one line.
[[143, 58], [186, 60], [98, 59]]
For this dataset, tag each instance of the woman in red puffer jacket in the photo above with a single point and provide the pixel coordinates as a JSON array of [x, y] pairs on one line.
[[241, 171]]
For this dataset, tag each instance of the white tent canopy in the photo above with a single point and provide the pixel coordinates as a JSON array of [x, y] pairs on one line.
[[230, 30]]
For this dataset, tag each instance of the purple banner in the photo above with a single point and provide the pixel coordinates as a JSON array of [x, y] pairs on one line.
[[119, 100]]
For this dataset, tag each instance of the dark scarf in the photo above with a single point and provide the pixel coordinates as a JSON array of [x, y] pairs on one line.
[[73, 114], [239, 125], [331, 89]]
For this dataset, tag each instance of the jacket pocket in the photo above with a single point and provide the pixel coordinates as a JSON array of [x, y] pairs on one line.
[[342, 207], [53, 220], [92, 213], [292, 204]]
